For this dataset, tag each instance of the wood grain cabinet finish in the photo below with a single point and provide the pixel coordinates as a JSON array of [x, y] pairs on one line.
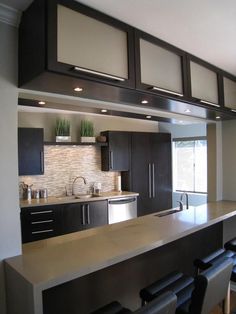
[[75, 40], [150, 171], [116, 156], [40, 222], [30, 151], [81, 216]]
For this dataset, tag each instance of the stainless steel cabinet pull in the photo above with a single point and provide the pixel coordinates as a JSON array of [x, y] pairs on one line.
[[83, 215], [41, 222], [41, 212], [42, 231], [149, 181], [88, 215], [42, 161], [167, 91], [153, 180], [111, 159], [112, 77]]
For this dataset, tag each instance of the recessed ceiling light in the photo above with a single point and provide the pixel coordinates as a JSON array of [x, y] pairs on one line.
[[144, 101], [41, 102], [78, 89], [217, 117], [148, 117], [187, 110], [103, 110]]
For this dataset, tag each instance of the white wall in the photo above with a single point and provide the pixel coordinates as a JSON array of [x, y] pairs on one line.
[[229, 159], [10, 239], [180, 131]]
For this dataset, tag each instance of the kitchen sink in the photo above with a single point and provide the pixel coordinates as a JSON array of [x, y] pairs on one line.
[[168, 213], [78, 196]]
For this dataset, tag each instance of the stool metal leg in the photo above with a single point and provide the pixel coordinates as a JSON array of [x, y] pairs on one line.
[[227, 302]]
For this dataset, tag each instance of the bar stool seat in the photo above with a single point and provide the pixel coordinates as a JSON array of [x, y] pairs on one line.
[[204, 292], [231, 245], [164, 304]]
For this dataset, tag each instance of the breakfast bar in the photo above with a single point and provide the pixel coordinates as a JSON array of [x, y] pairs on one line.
[[33, 278]]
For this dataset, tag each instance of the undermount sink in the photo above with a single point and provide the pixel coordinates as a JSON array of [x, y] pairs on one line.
[[77, 196], [168, 213]]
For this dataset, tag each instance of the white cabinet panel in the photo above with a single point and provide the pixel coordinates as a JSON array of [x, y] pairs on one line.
[[204, 83], [160, 67], [88, 43], [230, 93]]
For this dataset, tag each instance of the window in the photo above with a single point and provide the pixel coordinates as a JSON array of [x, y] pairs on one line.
[[190, 165]]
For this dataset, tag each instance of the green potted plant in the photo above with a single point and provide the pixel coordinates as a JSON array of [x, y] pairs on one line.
[[62, 130], [87, 132]]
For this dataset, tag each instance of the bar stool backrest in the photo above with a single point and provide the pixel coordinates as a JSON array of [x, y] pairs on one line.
[[163, 304], [211, 287]]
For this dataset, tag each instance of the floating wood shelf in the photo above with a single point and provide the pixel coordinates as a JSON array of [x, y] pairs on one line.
[[75, 143]]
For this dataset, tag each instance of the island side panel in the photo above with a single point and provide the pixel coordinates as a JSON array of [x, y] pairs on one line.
[[22, 297], [123, 281]]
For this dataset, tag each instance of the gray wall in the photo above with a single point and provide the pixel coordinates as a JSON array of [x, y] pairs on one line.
[[10, 239], [179, 131]]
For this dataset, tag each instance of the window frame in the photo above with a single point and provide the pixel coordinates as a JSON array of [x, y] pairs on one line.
[[185, 139]]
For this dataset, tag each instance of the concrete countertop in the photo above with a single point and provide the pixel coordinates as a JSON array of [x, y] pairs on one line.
[[53, 261], [56, 200]]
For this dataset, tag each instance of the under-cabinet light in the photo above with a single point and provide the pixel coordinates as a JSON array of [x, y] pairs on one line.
[[209, 103], [187, 110], [148, 117], [233, 110], [144, 101], [217, 117], [78, 89], [41, 102], [103, 110]]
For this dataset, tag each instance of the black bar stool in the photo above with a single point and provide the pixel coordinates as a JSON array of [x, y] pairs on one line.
[[163, 304], [194, 296]]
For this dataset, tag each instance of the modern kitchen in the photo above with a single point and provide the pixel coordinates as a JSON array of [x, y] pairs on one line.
[[118, 167]]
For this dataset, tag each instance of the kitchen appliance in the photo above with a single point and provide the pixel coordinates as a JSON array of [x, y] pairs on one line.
[[121, 209]]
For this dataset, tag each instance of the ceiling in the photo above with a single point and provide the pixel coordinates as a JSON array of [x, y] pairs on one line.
[[205, 28]]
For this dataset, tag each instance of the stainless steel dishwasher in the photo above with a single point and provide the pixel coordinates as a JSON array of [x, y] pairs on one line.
[[121, 209]]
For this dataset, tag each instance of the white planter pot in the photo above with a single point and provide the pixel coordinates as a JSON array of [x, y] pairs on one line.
[[87, 139], [63, 138]]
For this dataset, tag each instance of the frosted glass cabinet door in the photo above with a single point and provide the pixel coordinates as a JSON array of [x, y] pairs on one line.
[[230, 93], [85, 42], [160, 68], [204, 84]]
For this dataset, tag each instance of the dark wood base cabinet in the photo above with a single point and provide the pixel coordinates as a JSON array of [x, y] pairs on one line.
[[151, 171]]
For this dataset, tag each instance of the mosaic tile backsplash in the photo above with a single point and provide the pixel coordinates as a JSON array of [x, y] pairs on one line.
[[63, 163]]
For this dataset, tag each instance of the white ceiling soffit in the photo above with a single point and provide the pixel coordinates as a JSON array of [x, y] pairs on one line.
[[9, 15], [83, 102]]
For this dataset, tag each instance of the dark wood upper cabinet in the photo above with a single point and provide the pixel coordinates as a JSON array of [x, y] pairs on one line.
[[229, 86], [116, 156], [204, 82], [66, 37], [30, 151], [160, 67]]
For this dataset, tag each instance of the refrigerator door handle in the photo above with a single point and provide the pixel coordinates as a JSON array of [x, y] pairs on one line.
[[153, 180], [149, 181]]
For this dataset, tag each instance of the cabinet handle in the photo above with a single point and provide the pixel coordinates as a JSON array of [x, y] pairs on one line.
[[83, 216], [41, 212], [88, 214], [42, 161], [111, 159], [149, 181], [167, 91], [42, 231], [41, 222], [209, 103], [112, 77], [153, 180]]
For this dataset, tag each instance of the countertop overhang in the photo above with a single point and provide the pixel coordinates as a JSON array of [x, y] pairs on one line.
[[53, 261]]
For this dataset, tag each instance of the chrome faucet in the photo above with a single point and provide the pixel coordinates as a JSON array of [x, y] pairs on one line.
[[76, 178], [181, 205], [181, 198]]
